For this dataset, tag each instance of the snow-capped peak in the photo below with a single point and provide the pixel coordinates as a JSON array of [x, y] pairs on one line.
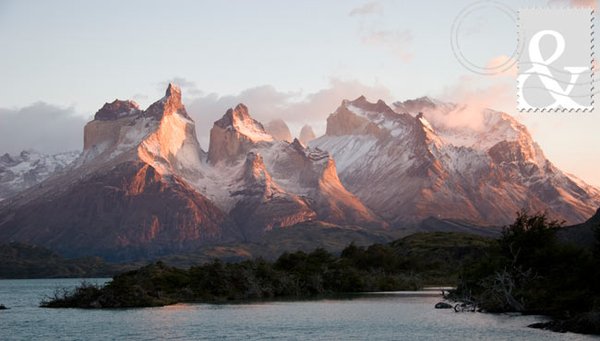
[[241, 121]]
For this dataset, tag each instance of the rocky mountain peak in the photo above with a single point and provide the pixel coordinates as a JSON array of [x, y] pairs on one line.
[[360, 117], [233, 116], [116, 110], [306, 134], [297, 145], [279, 130], [362, 106], [254, 170], [416, 105], [169, 105], [173, 90], [163, 136], [232, 136]]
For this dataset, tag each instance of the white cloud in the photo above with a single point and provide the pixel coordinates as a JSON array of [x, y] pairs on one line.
[[40, 126], [371, 32], [185, 84], [368, 8], [476, 93]]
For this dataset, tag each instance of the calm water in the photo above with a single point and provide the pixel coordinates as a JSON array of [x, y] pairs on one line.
[[365, 318]]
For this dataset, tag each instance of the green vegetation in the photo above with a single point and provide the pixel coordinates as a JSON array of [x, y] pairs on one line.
[[406, 264], [529, 270], [28, 261]]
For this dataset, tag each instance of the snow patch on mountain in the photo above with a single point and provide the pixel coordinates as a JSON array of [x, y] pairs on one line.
[[427, 158], [29, 168]]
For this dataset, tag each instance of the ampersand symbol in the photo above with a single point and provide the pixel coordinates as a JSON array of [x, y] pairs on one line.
[[540, 68]]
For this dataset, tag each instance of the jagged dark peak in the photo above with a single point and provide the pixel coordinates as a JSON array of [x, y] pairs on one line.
[[416, 105], [173, 90], [116, 110], [296, 144], [378, 107]]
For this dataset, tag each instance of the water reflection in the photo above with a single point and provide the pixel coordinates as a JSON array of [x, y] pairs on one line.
[[357, 317]]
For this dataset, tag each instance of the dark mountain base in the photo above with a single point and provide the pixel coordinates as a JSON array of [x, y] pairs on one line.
[[28, 261]]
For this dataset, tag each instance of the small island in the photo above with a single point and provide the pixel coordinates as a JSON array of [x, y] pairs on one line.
[[406, 264], [529, 270]]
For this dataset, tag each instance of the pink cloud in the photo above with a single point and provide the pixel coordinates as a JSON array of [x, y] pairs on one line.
[[474, 94], [574, 3], [503, 65]]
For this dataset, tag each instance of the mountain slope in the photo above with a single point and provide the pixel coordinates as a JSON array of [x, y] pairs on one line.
[[260, 176], [409, 164], [127, 196], [29, 168], [143, 187]]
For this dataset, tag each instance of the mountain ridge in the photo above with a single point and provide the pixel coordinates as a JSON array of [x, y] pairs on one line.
[[144, 187], [445, 171]]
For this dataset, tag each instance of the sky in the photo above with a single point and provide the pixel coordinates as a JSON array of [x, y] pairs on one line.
[[62, 60]]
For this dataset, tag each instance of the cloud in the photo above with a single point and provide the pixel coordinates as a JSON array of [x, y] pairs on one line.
[[140, 97], [503, 65], [267, 103], [372, 32], [368, 8], [397, 42], [186, 85], [40, 126], [574, 3], [475, 93]]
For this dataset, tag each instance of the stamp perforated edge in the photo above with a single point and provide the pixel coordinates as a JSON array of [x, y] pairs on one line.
[[592, 13]]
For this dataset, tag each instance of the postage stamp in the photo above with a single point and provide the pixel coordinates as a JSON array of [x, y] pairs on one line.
[[555, 66]]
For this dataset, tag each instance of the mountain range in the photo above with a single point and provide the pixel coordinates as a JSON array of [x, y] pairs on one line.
[[143, 186]]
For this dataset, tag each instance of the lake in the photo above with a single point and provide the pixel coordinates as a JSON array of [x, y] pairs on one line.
[[365, 317]]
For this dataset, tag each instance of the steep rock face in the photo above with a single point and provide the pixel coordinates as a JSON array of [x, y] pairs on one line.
[[302, 174], [172, 147], [164, 136], [143, 186], [306, 134], [265, 205], [104, 189], [234, 135], [279, 130], [418, 163], [130, 212]]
